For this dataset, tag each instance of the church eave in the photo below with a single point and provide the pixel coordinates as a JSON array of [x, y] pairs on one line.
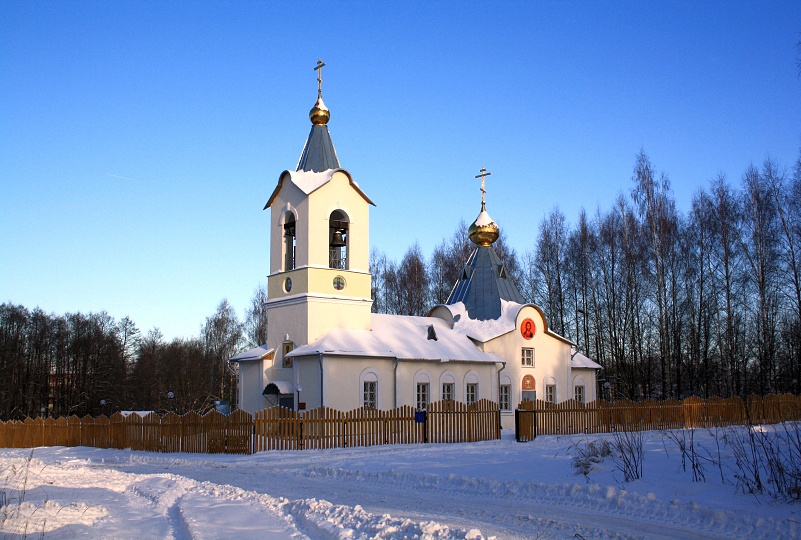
[[283, 175]]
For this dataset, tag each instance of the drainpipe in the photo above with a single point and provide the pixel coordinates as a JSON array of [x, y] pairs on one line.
[[395, 385], [320, 360], [499, 384]]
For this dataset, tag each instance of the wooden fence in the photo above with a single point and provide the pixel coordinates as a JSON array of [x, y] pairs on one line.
[[271, 429], [603, 417], [444, 421], [213, 433]]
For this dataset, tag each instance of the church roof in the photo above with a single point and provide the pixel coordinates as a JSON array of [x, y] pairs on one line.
[[256, 353], [402, 337], [482, 285], [580, 361], [486, 330], [318, 153]]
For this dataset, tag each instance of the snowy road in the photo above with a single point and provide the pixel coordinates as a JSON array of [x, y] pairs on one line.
[[499, 488]]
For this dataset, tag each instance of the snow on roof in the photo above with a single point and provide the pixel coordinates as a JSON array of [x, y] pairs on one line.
[[402, 337], [581, 361], [256, 353], [484, 331], [309, 181]]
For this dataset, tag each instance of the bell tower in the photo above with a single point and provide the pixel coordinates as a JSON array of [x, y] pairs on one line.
[[319, 244]]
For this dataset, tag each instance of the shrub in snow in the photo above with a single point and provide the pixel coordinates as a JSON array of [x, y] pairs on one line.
[[768, 461], [685, 441], [628, 454], [587, 455]]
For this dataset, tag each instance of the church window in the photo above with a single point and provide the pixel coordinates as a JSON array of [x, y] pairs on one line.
[[370, 394], [550, 393], [338, 235], [527, 358], [471, 393], [579, 393], [288, 284], [447, 390], [339, 283], [505, 397], [422, 395], [290, 241]]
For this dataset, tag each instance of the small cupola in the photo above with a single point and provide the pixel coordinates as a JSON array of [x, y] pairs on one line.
[[318, 153], [483, 231]]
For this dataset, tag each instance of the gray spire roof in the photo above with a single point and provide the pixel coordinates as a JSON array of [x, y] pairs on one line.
[[318, 154], [482, 284]]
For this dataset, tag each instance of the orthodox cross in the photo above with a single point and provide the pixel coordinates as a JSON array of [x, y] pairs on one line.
[[483, 174], [319, 70]]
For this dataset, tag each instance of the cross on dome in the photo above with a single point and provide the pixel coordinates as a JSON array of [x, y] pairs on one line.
[[319, 70], [319, 115], [482, 175]]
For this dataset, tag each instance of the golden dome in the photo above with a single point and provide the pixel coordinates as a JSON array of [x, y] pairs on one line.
[[483, 231], [319, 115]]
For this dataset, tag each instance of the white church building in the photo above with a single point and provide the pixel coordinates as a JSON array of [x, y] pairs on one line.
[[326, 348]]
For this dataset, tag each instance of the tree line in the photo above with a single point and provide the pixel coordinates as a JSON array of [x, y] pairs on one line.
[[60, 365], [671, 304]]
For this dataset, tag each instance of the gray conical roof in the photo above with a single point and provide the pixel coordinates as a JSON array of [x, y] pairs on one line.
[[482, 284], [318, 154]]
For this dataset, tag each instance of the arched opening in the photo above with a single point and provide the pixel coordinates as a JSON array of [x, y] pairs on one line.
[[338, 236], [290, 240], [471, 394]]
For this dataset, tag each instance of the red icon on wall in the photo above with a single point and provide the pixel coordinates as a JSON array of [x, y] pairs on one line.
[[528, 382], [528, 329]]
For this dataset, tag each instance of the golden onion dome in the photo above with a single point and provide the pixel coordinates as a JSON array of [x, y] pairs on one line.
[[319, 115], [483, 231]]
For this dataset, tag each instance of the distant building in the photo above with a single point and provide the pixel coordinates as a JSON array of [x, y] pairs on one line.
[[326, 348]]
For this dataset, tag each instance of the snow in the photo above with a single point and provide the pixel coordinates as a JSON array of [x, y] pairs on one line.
[[400, 336], [581, 361], [500, 489], [309, 181], [483, 219], [256, 353], [484, 331]]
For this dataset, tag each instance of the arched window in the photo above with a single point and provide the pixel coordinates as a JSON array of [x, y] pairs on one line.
[[338, 235], [422, 389], [505, 393], [471, 387], [290, 238], [369, 388], [447, 384]]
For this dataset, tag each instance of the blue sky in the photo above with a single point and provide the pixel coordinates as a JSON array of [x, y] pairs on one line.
[[139, 141]]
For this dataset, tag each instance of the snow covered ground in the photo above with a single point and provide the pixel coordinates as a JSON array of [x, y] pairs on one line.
[[499, 489]]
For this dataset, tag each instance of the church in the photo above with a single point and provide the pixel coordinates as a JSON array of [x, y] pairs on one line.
[[326, 348]]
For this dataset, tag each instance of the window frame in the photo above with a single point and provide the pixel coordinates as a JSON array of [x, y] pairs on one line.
[[524, 361], [550, 393], [422, 395], [470, 393], [505, 397], [450, 393], [370, 394], [579, 393]]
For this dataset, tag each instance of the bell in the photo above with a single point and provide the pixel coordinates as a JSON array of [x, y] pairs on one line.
[[338, 240]]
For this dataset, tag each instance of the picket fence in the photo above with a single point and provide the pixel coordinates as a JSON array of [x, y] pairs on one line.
[[570, 417], [444, 421], [276, 428]]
